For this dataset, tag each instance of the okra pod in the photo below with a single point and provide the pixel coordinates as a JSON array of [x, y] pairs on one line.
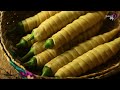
[[53, 24], [36, 48], [73, 29], [89, 33], [86, 62], [28, 24], [78, 50]]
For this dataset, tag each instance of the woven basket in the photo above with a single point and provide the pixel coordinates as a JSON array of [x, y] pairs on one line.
[[10, 18]]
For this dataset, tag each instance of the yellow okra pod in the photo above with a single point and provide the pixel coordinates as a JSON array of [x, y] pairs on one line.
[[33, 22], [73, 29], [37, 50], [86, 62], [51, 26], [55, 23], [78, 50]]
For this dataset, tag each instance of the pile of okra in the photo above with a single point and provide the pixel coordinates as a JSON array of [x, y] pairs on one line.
[[66, 43]]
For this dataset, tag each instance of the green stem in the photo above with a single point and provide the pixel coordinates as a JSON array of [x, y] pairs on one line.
[[20, 27], [22, 43], [28, 55], [49, 43], [31, 64], [47, 71]]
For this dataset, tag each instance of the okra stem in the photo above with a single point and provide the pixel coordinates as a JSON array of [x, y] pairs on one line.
[[47, 71], [49, 43], [27, 56], [24, 42], [31, 64]]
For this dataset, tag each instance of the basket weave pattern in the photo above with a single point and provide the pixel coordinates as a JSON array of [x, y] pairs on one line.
[[6, 70]]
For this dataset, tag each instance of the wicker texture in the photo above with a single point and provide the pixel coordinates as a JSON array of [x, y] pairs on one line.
[[9, 20], [6, 70]]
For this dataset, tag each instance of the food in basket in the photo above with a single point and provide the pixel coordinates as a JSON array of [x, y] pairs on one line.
[[30, 23], [38, 47], [49, 57], [25, 42], [68, 56], [51, 26], [52, 53], [90, 60], [73, 29]]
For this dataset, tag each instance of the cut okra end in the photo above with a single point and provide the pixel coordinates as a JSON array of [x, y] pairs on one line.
[[27, 56], [20, 27], [31, 64], [47, 71], [49, 43], [22, 43]]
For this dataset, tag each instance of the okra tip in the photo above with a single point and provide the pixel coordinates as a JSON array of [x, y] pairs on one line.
[[22, 43], [46, 71], [27, 56], [49, 43], [31, 64]]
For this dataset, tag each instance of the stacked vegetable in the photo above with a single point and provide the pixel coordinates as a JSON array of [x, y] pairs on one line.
[[67, 43]]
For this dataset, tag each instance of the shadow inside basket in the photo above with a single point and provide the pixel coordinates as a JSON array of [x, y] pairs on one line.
[[10, 20]]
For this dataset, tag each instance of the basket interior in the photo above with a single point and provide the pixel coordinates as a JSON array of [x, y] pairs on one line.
[[11, 18]]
